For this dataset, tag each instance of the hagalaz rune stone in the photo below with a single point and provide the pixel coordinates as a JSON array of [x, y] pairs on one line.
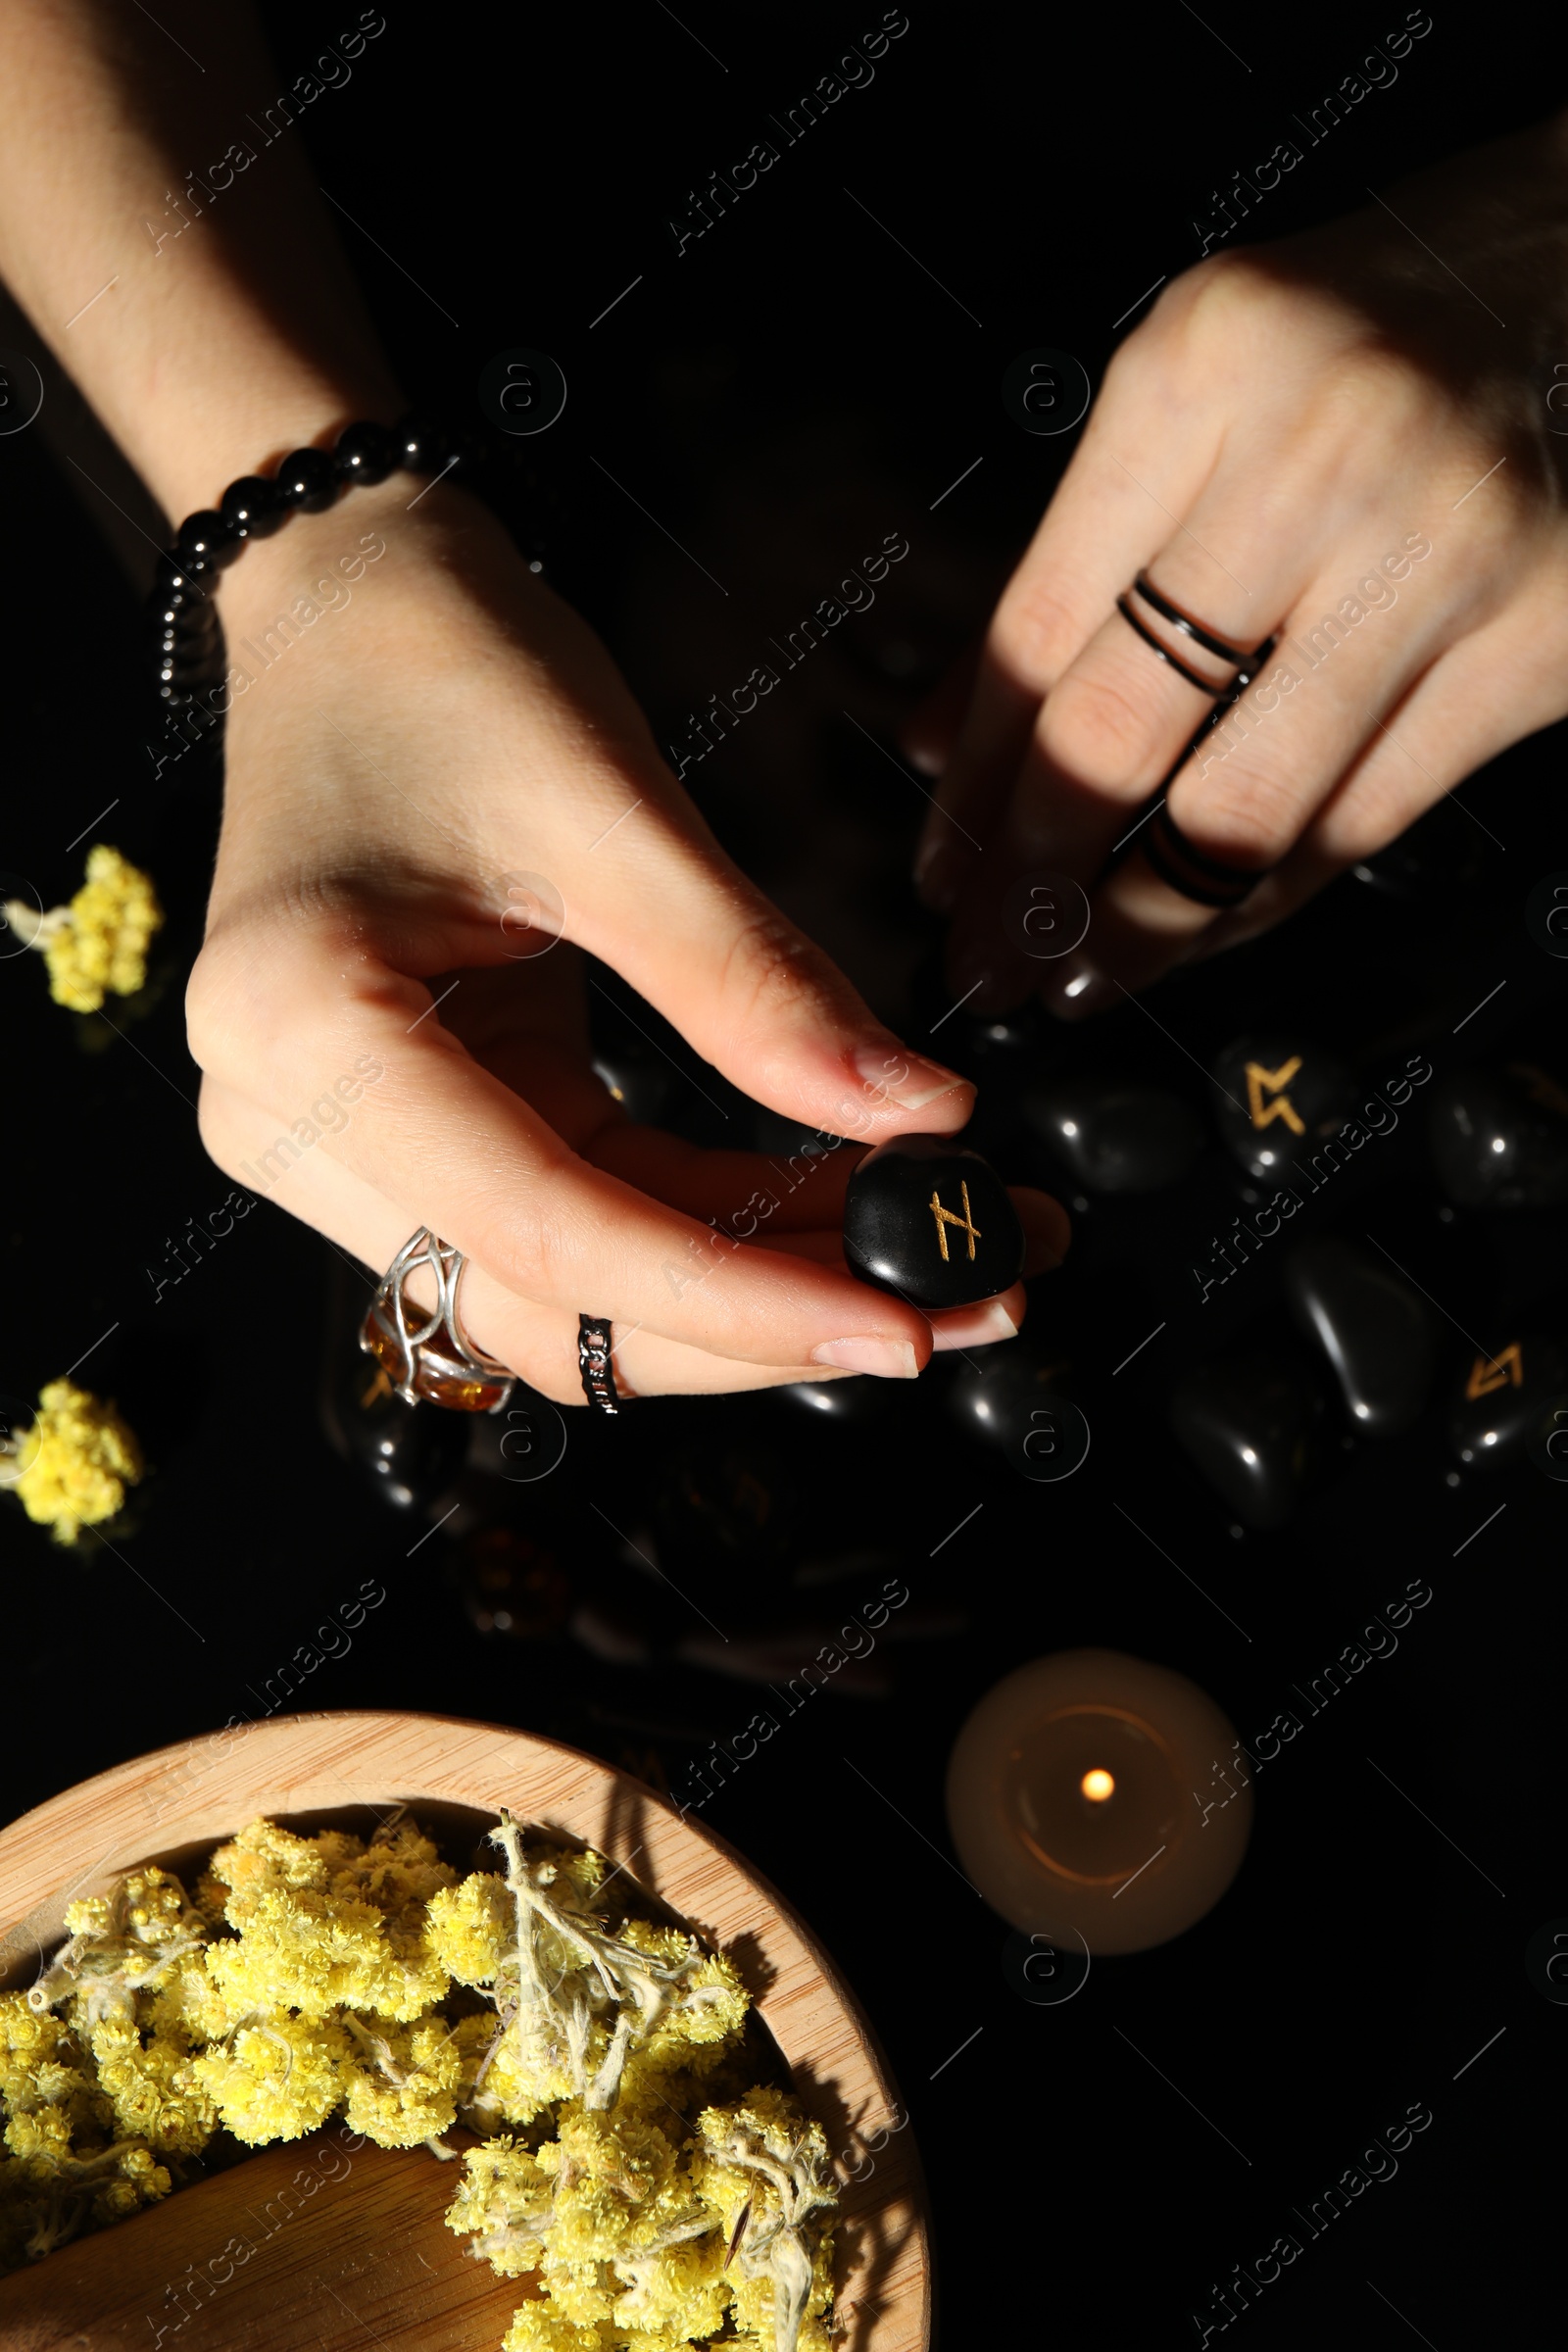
[[932, 1222]]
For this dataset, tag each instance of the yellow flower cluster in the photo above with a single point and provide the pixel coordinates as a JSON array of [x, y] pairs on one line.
[[90, 2109], [74, 1463], [103, 942], [651, 2199]]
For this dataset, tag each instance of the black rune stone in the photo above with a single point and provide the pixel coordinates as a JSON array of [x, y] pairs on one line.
[[1277, 1098], [1114, 1136], [1247, 1421], [1507, 1403], [1499, 1138], [931, 1222], [1372, 1326]]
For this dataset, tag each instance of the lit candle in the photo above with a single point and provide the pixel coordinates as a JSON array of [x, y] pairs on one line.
[[1076, 1799]]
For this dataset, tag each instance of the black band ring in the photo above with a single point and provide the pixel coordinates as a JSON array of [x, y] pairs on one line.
[[1192, 873], [594, 1365], [1165, 654], [1195, 630]]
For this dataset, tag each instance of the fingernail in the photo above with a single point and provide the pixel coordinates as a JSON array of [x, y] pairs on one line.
[[1078, 990], [973, 1326], [888, 1359], [907, 1079]]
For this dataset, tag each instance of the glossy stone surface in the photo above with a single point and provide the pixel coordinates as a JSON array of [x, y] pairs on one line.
[[1375, 1330], [180, 607], [1277, 1097], [1246, 1420], [365, 453], [931, 1222], [1014, 1399], [205, 541], [454, 1390], [1499, 1138], [644, 1087], [1504, 1405], [1114, 1136], [422, 444], [170, 579], [308, 479], [1439, 856], [411, 1453], [252, 507], [849, 1402]]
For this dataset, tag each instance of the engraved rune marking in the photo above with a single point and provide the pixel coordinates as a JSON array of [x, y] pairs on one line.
[[1491, 1373], [945, 1217], [1282, 1108]]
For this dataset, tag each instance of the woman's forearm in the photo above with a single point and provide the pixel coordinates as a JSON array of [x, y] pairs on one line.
[[163, 232]]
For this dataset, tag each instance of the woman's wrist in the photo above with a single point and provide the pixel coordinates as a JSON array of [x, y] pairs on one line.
[[400, 528], [190, 457]]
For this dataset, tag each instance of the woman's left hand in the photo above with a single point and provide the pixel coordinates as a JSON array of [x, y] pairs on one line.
[[1353, 441]]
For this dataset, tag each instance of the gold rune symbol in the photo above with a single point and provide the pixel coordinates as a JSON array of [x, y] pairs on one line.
[[945, 1217], [1282, 1108], [1489, 1373]]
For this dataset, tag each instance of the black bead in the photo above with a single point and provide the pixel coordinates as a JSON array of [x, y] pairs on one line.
[[1114, 1137], [1374, 1329], [172, 578], [1499, 1138], [190, 615], [1277, 1099], [1504, 1404], [422, 444], [308, 479], [174, 670], [166, 605], [365, 453], [932, 1222], [205, 542], [190, 622], [252, 506]]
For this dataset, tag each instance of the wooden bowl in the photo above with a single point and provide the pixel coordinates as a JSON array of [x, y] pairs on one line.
[[353, 2250]]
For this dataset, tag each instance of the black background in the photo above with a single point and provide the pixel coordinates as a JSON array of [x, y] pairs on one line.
[[792, 381]]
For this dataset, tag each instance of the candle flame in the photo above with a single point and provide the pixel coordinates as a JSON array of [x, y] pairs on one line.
[[1097, 1785]]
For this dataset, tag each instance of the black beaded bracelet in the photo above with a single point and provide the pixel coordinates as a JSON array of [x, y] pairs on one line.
[[191, 656]]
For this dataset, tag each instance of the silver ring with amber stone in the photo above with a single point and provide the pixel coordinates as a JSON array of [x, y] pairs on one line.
[[430, 1358]]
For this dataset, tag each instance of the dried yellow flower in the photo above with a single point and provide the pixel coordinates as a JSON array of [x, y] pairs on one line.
[[332, 1974], [99, 942], [153, 2090], [72, 1467], [277, 2080]]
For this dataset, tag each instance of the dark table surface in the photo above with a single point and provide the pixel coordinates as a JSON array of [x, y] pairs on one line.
[[1097, 2167]]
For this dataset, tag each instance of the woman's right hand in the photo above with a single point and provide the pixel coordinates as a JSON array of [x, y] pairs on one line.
[[440, 771]]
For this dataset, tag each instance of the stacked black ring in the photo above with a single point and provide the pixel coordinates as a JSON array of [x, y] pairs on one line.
[[190, 642], [1207, 881], [1246, 664]]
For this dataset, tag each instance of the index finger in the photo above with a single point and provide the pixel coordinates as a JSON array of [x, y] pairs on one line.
[[460, 1153]]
